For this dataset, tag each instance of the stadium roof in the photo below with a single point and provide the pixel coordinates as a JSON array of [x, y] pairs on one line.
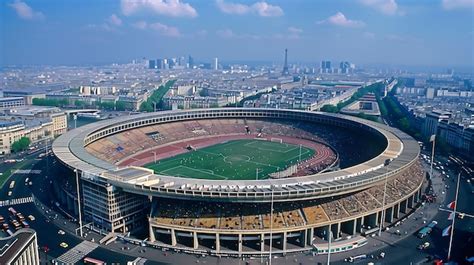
[[402, 150]]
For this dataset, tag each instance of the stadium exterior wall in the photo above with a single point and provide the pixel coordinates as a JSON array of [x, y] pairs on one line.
[[134, 184], [402, 150], [307, 234]]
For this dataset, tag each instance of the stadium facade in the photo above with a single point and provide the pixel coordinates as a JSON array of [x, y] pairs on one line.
[[234, 217]]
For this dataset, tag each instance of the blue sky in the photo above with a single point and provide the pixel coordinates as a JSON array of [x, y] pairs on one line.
[[391, 32]]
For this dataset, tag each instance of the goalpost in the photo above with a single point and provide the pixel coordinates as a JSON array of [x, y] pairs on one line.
[[278, 140]]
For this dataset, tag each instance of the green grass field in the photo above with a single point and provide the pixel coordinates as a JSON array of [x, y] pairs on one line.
[[233, 160]]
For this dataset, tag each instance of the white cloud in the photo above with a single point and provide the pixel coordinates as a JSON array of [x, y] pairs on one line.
[[173, 8], [295, 30], [388, 7], [114, 20], [165, 29], [265, 10], [140, 24], [233, 8], [226, 33], [369, 35], [293, 33], [395, 37], [403, 38], [339, 19], [24, 11], [229, 34], [457, 4], [101, 27], [261, 8], [201, 33]]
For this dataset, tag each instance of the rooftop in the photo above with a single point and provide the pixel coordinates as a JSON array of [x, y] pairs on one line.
[[4, 124], [11, 246], [10, 98]]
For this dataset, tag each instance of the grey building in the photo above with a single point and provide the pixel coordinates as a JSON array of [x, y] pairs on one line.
[[11, 102], [21, 248], [432, 120]]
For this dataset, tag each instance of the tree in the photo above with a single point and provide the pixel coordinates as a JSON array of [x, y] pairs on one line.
[[79, 103], [204, 92], [21, 144], [120, 105], [50, 102], [146, 106], [329, 108], [107, 105], [156, 97]]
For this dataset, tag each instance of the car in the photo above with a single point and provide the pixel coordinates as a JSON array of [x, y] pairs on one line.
[[61, 232], [31, 217], [423, 246], [63, 245], [45, 249]]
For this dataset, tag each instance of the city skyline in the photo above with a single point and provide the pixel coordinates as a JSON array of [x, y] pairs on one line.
[[366, 32]]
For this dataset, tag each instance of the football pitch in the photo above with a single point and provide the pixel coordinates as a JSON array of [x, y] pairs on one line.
[[233, 160]]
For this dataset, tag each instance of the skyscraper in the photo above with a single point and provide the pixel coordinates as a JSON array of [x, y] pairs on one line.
[[326, 67], [285, 65], [151, 64], [216, 64], [160, 64], [190, 61], [344, 67]]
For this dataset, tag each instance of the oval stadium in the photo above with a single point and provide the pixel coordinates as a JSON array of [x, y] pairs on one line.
[[239, 181]]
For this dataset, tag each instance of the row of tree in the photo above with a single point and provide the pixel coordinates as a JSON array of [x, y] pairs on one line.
[[399, 116], [373, 88], [50, 102], [156, 98], [117, 105]]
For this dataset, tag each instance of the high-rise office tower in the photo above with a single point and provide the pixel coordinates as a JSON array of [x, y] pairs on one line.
[[151, 64], [326, 67], [181, 61], [159, 64], [344, 67], [285, 65], [216, 64], [190, 61]]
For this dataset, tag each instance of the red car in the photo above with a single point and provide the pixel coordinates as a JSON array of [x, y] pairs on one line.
[[45, 249]]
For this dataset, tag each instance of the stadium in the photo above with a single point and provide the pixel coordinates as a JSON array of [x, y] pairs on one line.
[[235, 181]]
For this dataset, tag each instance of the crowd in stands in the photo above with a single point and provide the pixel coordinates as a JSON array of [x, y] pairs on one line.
[[251, 216], [123, 145]]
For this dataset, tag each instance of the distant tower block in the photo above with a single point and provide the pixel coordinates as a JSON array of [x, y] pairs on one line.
[[285, 66]]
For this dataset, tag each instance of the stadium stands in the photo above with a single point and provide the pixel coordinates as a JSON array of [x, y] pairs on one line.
[[135, 147], [235, 216]]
